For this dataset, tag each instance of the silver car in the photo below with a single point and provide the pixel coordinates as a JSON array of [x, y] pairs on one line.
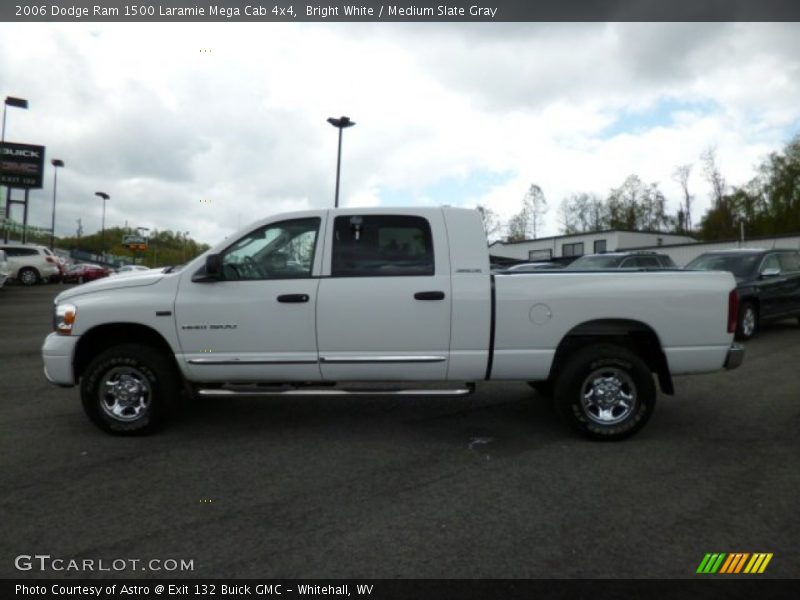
[[5, 269]]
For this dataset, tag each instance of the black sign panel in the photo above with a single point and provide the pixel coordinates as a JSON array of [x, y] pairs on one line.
[[21, 165]]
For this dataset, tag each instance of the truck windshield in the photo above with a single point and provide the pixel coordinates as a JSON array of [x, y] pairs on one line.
[[740, 265]]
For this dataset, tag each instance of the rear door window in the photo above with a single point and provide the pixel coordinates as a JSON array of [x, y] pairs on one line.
[[382, 246]]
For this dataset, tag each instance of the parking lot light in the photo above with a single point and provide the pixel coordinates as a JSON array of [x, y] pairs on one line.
[[56, 164], [340, 124], [105, 197]]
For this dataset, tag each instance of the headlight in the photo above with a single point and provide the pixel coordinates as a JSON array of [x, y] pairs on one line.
[[64, 318]]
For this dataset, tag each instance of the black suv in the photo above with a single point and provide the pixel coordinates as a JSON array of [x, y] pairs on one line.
[[622, 260], [768, 282]]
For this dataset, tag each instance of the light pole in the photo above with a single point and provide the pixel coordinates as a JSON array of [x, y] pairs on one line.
[[18, 103], [340, 124], [11, 101], [56, 164], [105, 197], [185, 240]]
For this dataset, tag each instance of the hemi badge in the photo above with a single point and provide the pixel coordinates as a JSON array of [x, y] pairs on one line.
[[163, 313]]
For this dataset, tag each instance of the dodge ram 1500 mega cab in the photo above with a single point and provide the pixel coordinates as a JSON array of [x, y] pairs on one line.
[[312, 302]]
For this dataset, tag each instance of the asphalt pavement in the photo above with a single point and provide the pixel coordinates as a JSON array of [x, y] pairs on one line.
[[489, 486]]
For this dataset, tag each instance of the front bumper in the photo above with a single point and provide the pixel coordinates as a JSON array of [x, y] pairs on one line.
[[58, 352], [735, 356]]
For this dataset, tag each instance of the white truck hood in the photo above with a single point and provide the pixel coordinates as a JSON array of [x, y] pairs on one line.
[[113, 283]]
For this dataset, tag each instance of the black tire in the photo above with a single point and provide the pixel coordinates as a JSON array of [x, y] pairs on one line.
[[543, 388], [612, 370], [747, 321], [28, 276], [153, 389]]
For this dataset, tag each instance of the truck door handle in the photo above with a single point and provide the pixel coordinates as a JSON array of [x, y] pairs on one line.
[[293, 298], [429, 296]]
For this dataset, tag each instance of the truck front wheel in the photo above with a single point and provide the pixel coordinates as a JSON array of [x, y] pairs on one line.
[[605, 392], [130, 389]]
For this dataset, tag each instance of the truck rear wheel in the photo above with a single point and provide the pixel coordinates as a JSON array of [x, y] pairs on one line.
[[130, 389], [605, 392], [748, 321]]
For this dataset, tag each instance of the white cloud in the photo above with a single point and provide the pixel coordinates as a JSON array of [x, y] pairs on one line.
[[163, 116]]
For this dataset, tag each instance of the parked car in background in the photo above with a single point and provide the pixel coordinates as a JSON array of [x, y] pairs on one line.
[[768, 282], [622, 260], [532, 267], [5, 269], [131, 269], [31, 264], [81, 273]]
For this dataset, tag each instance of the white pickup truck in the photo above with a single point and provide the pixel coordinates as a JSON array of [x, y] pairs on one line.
[[312, 302]]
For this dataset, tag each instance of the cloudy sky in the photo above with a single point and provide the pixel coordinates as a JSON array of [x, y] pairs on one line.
[[205, 127]]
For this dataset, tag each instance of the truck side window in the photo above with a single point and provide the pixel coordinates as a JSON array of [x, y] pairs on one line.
[[381, 246], [647, 262], [789, 261], [282, 250], [771, 262]]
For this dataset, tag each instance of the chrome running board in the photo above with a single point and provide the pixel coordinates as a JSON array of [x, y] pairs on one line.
[[223, 392]]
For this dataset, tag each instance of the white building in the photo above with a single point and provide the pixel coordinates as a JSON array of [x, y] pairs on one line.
[[680, 248], [579, 244]]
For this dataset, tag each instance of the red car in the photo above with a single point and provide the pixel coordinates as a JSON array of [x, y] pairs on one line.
[[84, 272]]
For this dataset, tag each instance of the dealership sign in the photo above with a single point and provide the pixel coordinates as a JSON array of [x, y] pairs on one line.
[[135, 242], [21, 165]]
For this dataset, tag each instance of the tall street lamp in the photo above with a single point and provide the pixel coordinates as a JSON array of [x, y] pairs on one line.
[[105, 197], [56, 164], [340, 124], [18, 103]]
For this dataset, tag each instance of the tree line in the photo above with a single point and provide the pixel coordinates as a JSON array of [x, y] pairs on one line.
[[165, 247], [769, 204]]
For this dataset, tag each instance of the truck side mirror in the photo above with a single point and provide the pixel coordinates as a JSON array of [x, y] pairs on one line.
[[214, 266]]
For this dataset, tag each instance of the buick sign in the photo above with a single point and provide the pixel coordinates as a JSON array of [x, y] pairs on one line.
[[21, 165]]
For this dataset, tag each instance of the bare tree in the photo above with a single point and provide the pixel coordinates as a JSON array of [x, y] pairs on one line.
[[713, 174], [491, 222], [535, 205], [570, 219], [518, 226], [681, 176]]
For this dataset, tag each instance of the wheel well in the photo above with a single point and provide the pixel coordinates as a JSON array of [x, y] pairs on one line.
[[634, 335], [753, 301], [100, 338]]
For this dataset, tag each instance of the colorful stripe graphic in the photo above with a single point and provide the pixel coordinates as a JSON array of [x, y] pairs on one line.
[[734, 563]]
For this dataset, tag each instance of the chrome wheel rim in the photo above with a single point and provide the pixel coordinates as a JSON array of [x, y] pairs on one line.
[[608, 396], [124, 393], [28, 277], [749, 321]]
